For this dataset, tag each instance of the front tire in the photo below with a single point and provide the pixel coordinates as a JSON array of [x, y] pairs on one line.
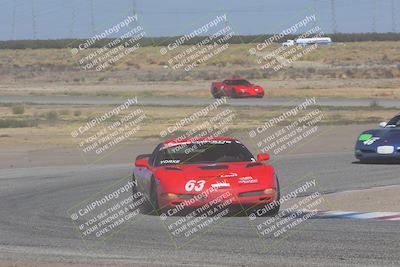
[[260, 96], [153, 197], [214, 93], [276, 208]]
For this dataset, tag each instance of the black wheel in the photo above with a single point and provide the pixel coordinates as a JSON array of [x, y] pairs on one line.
[[214, 93], [153, 196], [134, 187], [260, 96], [273, 208], [234, 94], [145, 206], [274, 211]]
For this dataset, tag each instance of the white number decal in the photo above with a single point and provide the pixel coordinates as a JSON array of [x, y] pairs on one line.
[[197, 186], [200, 185]]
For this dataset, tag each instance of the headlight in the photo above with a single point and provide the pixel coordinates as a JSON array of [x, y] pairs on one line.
[[269, 191], [171, 196]]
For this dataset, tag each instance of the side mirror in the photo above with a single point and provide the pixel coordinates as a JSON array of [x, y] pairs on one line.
[[382, 124], [263, 157], [142, 163], [142, 156]]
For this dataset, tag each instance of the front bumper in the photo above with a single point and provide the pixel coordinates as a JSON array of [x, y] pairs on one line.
[[225, 197], [371, 153], [250, 94]]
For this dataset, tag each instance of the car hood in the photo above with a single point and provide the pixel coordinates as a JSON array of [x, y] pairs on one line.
[[385, 135], [222, 176]]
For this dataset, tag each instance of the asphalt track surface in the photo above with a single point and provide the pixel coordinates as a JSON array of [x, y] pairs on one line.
[[190, 101], [34, 225]]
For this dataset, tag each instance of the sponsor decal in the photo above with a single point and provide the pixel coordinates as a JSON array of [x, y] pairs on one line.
[[365, 137], [222, 184], [228, 175], [371, 141], [170, 161], [248, 180]]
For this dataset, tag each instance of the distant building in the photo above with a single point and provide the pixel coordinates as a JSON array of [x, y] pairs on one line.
[[308, 41]]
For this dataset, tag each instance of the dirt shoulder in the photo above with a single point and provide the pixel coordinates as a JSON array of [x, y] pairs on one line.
[[377, 199]]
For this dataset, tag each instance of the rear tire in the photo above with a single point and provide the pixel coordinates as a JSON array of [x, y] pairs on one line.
[[234, 94]]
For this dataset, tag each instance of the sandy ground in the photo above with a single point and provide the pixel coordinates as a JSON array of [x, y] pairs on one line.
[[352, 88], [380, 199]]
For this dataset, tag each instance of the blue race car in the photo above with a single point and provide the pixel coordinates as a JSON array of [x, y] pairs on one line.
[[380, 144]]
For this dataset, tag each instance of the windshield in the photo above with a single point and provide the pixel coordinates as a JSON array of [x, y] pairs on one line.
[[212, 151], [238, 82], [395, 122]]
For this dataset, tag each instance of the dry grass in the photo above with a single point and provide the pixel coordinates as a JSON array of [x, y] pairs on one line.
[[352, 60], [237, 54], [58, 133], [366, 69]]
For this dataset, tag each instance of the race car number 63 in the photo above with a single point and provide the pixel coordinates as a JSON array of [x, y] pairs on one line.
[[197, 186]]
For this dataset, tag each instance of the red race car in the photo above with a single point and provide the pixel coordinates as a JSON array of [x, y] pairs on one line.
[[190, 173], [235, 88]]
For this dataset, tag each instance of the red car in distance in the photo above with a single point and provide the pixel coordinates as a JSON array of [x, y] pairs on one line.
[[192, 172], [236, 88]]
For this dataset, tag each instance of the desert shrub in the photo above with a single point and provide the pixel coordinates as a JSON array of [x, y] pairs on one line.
[[18, 109], [64, 112], [52, 116], [12, 123]]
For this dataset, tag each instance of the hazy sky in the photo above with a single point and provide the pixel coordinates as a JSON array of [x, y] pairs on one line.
[[53, 19]]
